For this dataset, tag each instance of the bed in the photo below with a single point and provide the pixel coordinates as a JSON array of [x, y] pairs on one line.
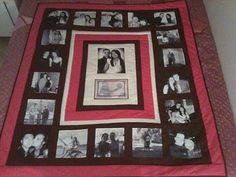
[[114, 90]]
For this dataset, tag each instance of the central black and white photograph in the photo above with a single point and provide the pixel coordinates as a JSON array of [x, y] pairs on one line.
[[138, 19], [39, 112], [72, 143], [147, 142], [109, 142], [111, 61], [45, 82], [176, 84], [112, 19], [180, 111], [168, 37], [33, 146], [184, 145], [85, 18], [165, 18]]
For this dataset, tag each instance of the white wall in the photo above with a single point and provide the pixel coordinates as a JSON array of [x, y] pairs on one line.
[[222, 17]]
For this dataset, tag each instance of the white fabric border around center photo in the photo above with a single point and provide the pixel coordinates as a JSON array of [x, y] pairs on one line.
[[63, 121]]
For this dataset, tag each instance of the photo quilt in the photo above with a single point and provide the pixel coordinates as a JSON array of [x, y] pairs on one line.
[[110, 90]]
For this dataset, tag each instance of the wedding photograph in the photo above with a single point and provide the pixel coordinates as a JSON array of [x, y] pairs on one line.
[[111, 61]]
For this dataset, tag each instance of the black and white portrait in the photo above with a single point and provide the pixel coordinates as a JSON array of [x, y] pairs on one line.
[[51, 58], [53, 37], [33, 146], [168, 37], [39, 112], [111, 61], [72, 143], [165, 18], [45, 82], [85, 18], [111, 89], [184, 145], [147, 142], [58, 17], [112, 19], [109, 142], [173, 57], [180, 111], [137, 19], [176, 84]]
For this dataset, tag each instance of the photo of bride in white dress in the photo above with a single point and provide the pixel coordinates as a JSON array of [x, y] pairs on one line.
[[111, 61]]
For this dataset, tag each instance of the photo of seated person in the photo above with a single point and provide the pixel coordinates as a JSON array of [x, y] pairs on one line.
[[72, 144]]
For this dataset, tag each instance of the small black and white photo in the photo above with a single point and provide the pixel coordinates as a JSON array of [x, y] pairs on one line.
[[39, 112], [45, 82], [138, 19], [112, 19], [58, 17], [176, 84], [168, 37], [33, 146], [184, 145], [53, 37], [111, 61], [173, 57], [51, 58], [180, 111], [147, 142], [165, 18], [72, 144], [85, 18], [109, 142], [111, 89]]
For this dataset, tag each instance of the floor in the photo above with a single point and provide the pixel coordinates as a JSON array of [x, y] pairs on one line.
[[3, 46]]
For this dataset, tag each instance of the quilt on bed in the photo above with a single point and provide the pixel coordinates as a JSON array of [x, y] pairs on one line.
[[111, 90]]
